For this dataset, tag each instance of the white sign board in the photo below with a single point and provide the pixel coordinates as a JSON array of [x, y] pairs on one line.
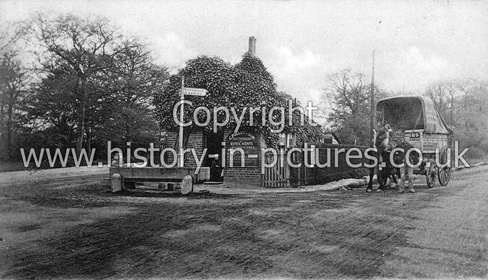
[[195, 91]]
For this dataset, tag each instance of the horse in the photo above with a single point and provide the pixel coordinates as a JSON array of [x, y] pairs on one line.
[[382, 144], [386, 168]]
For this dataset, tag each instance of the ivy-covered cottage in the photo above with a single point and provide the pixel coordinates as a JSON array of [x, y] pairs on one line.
[[236, 121]]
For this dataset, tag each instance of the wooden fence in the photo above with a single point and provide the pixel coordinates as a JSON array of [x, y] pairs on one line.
[[277, 175], [284, 174]]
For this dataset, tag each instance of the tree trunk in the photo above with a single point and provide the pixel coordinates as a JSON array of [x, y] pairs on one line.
[[2, 112], [81, 121], [3, 151], [10, 112], [88, 138]]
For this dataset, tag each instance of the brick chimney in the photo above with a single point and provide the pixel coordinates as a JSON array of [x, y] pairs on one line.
[[252, 46]]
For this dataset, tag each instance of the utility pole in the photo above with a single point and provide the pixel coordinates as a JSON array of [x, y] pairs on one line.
[[373, 107], [181, 160]]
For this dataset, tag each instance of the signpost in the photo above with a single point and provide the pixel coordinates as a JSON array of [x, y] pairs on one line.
[[186, 91], [195, 91]]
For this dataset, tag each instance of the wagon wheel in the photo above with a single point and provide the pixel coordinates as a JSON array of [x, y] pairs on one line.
[[430, 173], [444, 173]]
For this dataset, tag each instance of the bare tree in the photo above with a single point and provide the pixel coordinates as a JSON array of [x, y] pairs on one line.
[[97, 84], [443, 94], [463, 104], [84, 45], [347, 95]]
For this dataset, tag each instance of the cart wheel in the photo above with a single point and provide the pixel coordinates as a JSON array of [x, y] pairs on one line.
[[444, 173], [430, 174], [187, 185]]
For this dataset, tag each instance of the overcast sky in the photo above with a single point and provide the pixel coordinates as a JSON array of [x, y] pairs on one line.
[[300, 42]]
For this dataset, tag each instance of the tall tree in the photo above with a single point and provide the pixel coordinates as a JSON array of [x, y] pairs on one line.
[[471, 117], [97, 85], [13, 85], [132, 82], [84, 45], [347, 97], [463, 104]]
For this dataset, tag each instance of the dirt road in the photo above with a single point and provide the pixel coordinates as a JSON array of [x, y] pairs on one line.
[[74, 228]]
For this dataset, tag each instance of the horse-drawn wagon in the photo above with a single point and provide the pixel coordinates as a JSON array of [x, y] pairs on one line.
[[420, 124]]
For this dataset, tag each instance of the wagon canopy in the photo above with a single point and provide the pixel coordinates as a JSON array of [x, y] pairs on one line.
[[412, 112]]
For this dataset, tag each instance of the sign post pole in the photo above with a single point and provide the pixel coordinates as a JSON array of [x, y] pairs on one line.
[[182, 98], [187, 91]]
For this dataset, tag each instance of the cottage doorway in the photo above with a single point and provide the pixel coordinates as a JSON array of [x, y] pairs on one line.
[[214, 154]]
